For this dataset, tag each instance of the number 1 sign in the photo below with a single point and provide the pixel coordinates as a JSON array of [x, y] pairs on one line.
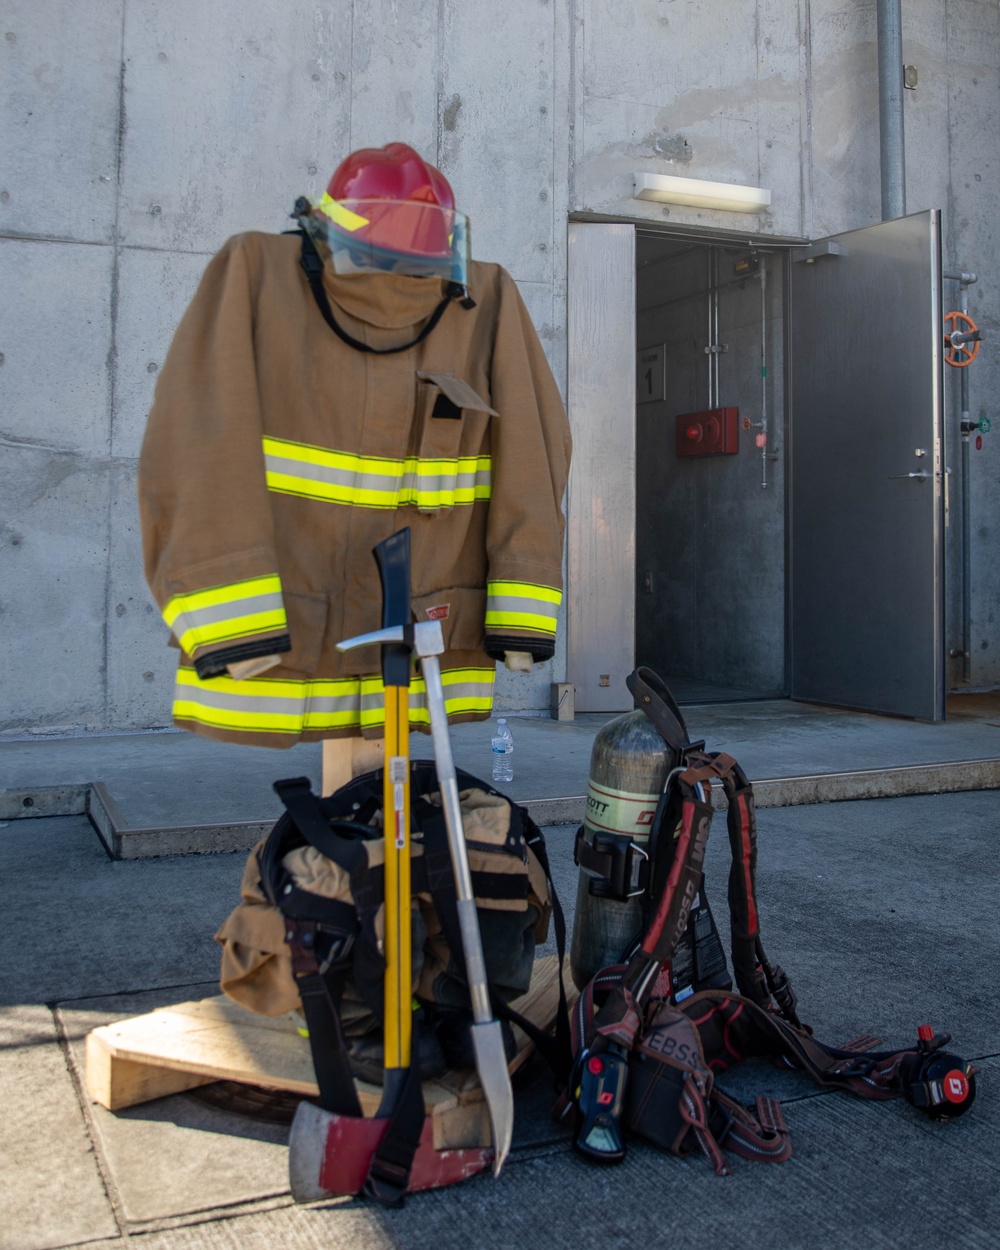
[[650, 382]]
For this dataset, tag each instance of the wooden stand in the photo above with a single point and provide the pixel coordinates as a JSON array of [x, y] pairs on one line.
[[345, 758], [177, 1048]]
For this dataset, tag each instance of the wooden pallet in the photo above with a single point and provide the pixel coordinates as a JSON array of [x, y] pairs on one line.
[[177, 1048]]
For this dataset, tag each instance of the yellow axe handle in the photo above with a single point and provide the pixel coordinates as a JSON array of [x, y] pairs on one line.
[[396, 809]]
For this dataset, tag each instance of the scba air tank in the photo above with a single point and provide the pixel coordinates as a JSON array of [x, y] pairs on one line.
[[628, 768]]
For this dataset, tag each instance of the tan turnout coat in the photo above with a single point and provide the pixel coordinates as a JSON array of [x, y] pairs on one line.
[[276, 457]]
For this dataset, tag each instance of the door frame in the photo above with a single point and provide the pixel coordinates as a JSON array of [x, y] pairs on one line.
[[600, 607], [601, 520]]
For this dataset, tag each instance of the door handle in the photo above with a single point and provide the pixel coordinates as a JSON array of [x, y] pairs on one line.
[[922, 476]]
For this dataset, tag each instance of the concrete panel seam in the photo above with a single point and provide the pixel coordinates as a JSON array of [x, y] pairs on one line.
[[100, 1162]]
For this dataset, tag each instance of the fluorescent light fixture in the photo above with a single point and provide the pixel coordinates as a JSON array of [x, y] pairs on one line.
[[701, 194]]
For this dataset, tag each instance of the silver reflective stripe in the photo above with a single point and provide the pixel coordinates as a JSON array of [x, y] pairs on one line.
[[514, 604], [347, 479]]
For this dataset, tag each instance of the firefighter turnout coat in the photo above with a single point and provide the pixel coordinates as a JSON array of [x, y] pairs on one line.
[[277, 456]]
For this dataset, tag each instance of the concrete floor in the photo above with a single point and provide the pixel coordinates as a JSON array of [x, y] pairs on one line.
[[173, 779], [884, 913]]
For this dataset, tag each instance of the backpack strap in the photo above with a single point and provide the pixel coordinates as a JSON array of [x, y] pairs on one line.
[[676, 881], [320, 972], [756, 977], [441, 884], [320, 934], [732, 1028], [320, 987]]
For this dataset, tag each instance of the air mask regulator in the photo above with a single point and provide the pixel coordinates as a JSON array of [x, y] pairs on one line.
[[935, 1080]]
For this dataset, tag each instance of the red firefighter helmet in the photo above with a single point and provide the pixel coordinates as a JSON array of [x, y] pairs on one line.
[[388, 209]]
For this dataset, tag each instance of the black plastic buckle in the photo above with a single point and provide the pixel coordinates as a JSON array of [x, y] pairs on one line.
[[629, 869], [333, 946], [860, 1067], [720, 1121], [301, 938]]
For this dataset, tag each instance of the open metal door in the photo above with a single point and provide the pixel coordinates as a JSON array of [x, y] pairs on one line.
[[866, 485], [600, 514]]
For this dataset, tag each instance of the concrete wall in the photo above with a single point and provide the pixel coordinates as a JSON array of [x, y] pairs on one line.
[[785, 96], [137, 135]]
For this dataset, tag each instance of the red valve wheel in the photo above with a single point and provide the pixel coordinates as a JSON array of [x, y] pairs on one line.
[[959, 354]]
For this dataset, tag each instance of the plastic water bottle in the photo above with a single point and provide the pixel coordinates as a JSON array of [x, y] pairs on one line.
[[503, 752]]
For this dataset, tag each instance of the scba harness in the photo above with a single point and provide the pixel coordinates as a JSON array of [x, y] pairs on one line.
[[652, 1033]]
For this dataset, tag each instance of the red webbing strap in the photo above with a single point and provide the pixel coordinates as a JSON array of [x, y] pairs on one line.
[[763, 1137], [741, 823], [732, 1027], [684, 880], [694, 1112]]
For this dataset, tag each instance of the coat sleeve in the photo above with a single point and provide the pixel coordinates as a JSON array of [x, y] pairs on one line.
[[207, 530], [530, 446]]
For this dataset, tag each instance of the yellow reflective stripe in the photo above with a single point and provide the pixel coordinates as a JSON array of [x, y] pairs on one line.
[[283, 706], [375, 481], [226, 613], [230, 631], [522, 605], [339, 214], [286, 484], [216, 595], [308, 453], [526, 590]]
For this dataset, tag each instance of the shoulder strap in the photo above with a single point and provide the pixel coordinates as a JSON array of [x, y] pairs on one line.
[[755, 976]]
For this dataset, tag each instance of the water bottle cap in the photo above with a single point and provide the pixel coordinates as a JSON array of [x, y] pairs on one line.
[[501, 720]]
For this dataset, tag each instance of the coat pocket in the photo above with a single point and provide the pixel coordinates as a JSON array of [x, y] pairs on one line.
[[306, 627], [451, 425], [462, 613]]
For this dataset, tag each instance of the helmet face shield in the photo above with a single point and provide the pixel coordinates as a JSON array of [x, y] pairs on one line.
[[412, 237]]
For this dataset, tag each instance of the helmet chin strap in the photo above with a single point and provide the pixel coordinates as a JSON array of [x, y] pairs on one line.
[[312, 263]]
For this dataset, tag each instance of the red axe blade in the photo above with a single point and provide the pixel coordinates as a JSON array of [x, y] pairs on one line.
[[329, 1155]]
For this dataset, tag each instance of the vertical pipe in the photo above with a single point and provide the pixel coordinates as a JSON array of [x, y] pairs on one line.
[[964, 281], [715, 326], [890, 110], [711, 338], [966, 427], [966, 539], [763, 370]]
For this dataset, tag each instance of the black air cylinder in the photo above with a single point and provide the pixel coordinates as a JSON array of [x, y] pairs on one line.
[[628, 767]]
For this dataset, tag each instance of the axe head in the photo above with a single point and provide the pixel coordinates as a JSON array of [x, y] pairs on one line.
[[494, 1077], [329, 1155]]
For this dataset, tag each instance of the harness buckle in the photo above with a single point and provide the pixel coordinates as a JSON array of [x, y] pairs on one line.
[[301, 938], [339, 944], [627, 874], [720, 1121], [860, 1067]]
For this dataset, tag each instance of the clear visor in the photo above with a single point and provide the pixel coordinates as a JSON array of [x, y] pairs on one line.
[[391, 236]]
